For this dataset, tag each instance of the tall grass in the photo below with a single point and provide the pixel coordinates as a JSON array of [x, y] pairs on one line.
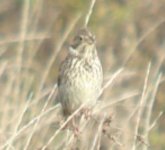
[[30, 119]]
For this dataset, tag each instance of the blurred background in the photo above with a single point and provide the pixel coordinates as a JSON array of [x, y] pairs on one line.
[[34, 37]]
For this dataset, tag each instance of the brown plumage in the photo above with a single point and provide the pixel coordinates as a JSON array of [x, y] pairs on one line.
[[80, 76]]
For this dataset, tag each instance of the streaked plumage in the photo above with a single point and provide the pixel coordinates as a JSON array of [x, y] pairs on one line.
[[80, 76]]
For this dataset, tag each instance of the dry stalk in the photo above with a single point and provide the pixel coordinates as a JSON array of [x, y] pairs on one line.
[[142, 102]]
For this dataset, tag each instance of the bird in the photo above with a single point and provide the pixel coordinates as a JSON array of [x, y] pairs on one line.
[[80, 74]]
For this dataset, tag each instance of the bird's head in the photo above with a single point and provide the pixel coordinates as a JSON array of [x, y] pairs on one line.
[[83, 43]]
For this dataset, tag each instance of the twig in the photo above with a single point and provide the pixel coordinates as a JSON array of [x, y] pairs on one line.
[[19, 121], [110, 81], [98, 134], [62, 126], [149, 110], [37, 122], [89, 12], [142, 101], [23, 32], [28, 124], [29, 37], [155, 121], [116, 101]]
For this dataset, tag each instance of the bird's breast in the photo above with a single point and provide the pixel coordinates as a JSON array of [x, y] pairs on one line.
[[82, 76]]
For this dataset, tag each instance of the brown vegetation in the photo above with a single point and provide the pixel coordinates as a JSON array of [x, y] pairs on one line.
[[34, 35]]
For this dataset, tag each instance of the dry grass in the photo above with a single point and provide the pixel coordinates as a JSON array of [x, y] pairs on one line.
[[29, 117]]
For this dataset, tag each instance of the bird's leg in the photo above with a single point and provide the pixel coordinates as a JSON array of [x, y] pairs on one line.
[[74, 127], [87, 112], [71, 125]]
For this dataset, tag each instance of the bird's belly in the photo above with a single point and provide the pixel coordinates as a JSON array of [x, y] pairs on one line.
[[80, 86], [78, 93], [82, 92]]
